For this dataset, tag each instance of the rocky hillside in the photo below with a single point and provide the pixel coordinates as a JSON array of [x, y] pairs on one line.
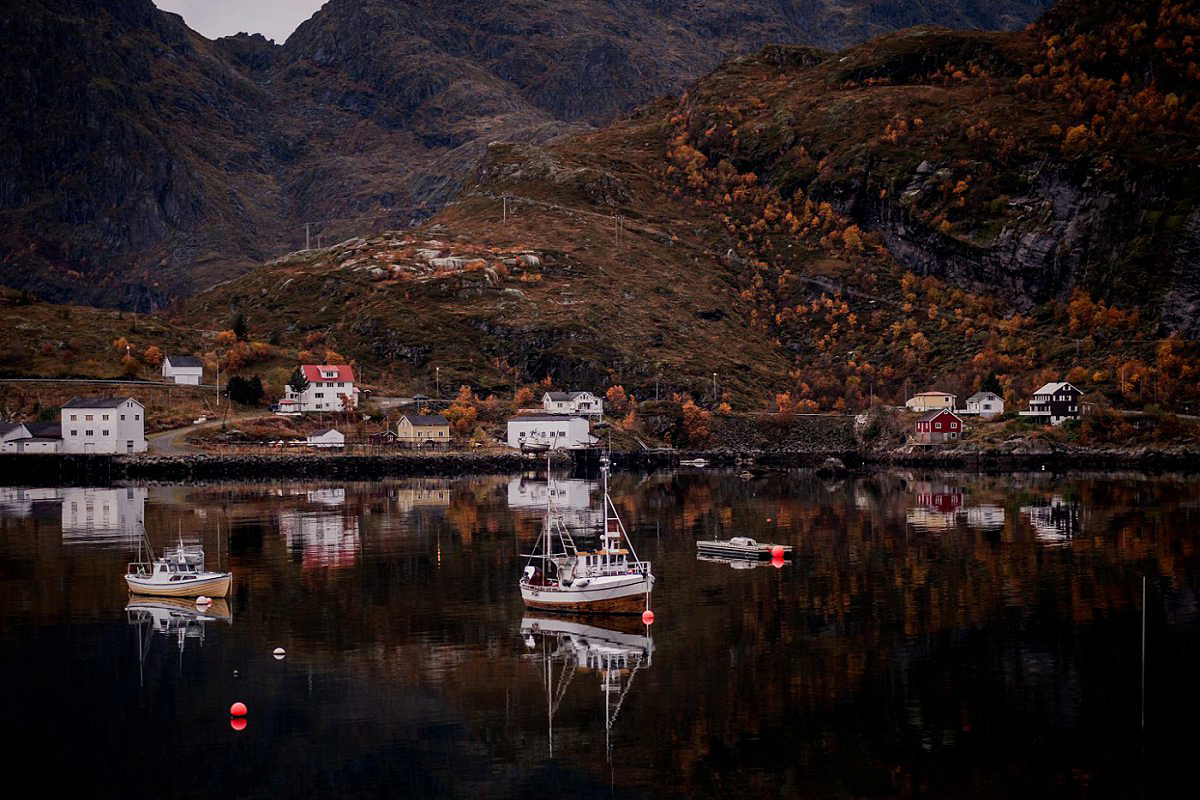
[[140, 162], [818, 229]]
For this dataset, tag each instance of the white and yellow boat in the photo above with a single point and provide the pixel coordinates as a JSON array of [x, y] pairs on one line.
[[179, 572]]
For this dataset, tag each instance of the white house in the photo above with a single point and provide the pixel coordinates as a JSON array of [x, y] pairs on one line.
[[327, 385], [30, 437], [330, 437], [187, 370], [103, 425], [1054, 403], [584, 403], [928, 401], [985, 404], [552, 431]]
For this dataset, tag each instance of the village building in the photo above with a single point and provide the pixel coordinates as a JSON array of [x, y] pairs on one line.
[[103, 425], [572, 403], [423, 430], [938, 426], [30, 437], [985, 404], [328, 437], [928, 401], [327, 385], [1054, 404], [184, 370], [549, 432]]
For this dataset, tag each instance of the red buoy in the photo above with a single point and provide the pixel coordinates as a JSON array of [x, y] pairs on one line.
[[777, 562], [237, 710], [238, 723], [648, 617], [777, 551]]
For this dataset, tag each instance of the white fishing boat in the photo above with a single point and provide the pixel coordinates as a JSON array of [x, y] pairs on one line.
[[179, 572], [606, 577], [741, 547]]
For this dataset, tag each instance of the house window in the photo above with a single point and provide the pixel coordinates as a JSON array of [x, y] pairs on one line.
[[320, 394], [122, 418], [87, 417], [74, 418], [105, 417], [87, 433], [75, 433], [137, 416], [562, 433], [104, 433], [937, 426]]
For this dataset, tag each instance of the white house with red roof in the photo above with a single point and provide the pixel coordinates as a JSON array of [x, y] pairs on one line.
[[327, 385]]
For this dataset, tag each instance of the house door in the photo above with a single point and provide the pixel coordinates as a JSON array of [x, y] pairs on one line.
[[128, 446], [89, 447]]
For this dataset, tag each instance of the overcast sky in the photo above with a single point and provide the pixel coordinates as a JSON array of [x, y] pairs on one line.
[[275, 19]]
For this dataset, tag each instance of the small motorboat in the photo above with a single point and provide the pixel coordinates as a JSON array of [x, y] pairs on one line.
[[741, 547], [179, 572]]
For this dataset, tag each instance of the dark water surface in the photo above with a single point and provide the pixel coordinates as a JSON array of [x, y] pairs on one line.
[[936, 635]]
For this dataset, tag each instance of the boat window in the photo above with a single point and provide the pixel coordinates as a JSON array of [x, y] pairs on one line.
[[174, 577], [163, 568]]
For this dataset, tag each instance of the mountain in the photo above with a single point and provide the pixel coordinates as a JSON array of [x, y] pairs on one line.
[[142, 162], [930, 207]]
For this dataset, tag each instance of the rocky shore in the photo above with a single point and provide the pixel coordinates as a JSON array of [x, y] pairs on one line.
[[1037, 454]]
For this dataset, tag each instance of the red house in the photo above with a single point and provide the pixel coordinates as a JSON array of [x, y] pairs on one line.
[[937, 426]]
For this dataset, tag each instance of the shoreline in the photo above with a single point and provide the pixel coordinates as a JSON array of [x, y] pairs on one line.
[[61, 469]]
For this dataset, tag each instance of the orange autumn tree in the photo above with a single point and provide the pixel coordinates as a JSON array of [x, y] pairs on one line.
[[523, 397], [463, 413], [619, 402]]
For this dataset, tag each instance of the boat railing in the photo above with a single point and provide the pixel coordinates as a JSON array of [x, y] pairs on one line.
[[139, 568]]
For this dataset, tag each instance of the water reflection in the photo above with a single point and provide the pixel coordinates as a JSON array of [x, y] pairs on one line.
[[572, 497], [612, 650], [937, 635], [177, 619], [88, 515]]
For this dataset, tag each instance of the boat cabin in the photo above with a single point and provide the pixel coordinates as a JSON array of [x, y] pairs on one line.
[[743, 541]]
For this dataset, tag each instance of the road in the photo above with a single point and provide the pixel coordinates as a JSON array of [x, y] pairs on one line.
[[174, 441]]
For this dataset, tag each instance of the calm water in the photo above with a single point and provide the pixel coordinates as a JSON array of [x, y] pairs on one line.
[[935, 635]]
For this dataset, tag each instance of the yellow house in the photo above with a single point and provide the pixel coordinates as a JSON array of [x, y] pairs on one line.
[[420, 430], [930, 401]]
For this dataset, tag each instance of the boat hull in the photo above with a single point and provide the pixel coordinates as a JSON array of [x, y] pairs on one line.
[[216, 586], [737, 551], [618, 597]]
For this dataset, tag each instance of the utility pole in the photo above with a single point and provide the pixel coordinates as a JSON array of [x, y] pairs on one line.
[[307, 235], [504, 203], [437, 377], [715, 395]]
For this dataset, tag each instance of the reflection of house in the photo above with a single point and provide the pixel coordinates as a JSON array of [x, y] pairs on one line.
[[985, 518], [423, 430], [928, 401], [325, 539], [20, 502], [945, 501], [1054, 404], [572, 497], [186, 370], [326, 497], [100, 515], [552, 431], [429, 495], [1056, 522], [570, 403]]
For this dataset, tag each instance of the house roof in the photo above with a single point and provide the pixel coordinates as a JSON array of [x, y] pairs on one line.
[[323, 431], [933, 392], [564, 395], [44, 430], [185, 361], [344, 372], [425, 419], [544, 418], [8, 427], [1052, 388], [982, 396], [930, 416], [96, 402]]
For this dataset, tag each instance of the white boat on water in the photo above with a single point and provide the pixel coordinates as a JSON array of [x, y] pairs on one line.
[[607, 578], [740, 547], [179, 572]]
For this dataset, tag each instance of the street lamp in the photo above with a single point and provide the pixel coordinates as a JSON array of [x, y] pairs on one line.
[[715, 395], [437, 377]]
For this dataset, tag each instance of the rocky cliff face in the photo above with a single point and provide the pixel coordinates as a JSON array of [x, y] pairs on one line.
[[141, 162]]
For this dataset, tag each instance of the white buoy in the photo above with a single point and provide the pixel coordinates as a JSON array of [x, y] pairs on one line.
[[203, 601], [279, 653]]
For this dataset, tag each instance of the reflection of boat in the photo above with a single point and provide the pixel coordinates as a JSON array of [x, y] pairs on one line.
[[740, 546], [584, 644], [179, 572], [169, 616], [606, 578], [693, 462], [740, 563]]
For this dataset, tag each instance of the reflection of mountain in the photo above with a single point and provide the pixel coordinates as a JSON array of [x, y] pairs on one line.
[[327, 539], [581, 644], [572, 497], [1056, 522]]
